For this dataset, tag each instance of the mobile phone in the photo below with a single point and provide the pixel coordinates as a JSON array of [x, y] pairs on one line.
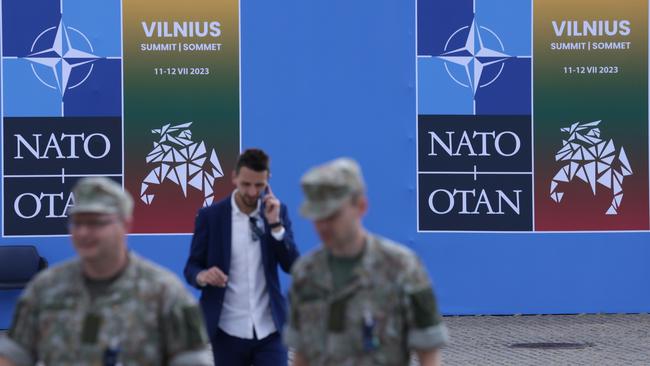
[[264, 193]]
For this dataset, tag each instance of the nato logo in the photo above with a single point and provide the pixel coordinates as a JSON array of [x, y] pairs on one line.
[[474, 173], [61, 58], [473, 59]]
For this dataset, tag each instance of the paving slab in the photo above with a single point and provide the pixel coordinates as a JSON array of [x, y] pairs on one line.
[[588, 339]]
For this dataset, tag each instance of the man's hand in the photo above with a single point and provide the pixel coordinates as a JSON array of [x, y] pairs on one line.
[[271, 207], [429, 357], [299, 359], [5, 362], [212, 276]]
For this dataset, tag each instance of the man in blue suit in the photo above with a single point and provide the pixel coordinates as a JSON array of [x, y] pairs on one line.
[[237, 246]]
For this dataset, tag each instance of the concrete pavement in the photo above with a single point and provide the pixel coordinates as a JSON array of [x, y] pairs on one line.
[[614, 339]]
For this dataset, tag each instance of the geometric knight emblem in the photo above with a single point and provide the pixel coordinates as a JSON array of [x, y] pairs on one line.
[[593, 160], [181, 161]]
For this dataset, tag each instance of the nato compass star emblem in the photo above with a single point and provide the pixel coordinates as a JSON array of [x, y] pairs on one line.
[[471, 61], [63, 57]]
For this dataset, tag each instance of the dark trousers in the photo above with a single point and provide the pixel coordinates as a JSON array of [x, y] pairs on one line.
[[234, 351]]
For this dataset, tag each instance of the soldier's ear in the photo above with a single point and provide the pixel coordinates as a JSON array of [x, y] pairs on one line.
[[362, 204], [128, 223]]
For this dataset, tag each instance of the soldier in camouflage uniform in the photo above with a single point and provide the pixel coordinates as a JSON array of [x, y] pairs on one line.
[[108, 306], [360, 299]]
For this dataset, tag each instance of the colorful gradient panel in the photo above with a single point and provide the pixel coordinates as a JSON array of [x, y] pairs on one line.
[[590, 115], [181, 108]]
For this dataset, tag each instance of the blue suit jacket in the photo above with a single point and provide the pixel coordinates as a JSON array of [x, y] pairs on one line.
[[211, 246]]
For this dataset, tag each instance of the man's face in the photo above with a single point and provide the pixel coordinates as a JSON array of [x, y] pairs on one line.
[[339, 230], [250, 184], [97, 236]]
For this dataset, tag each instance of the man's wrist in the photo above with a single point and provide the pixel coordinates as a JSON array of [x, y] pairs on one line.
[[274, 225], [198, 280], [278, 233]]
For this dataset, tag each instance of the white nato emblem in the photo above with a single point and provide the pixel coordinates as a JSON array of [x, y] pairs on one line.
[[62, 57], [474, 56], [182, 161], [592, 159]]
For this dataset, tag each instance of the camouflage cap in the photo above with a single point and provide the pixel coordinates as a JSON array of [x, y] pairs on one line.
[[328, 186], [101, 195]]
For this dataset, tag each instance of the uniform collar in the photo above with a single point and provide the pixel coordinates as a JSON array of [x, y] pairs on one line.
[[363, 272]]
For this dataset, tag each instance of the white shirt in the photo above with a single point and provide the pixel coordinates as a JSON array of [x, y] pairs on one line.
[[246, 302]]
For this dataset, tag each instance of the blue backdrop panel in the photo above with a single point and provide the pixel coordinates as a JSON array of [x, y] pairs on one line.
[[322, 79]]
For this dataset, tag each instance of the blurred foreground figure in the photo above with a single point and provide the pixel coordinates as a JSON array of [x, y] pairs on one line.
[[108, 306], [359, 299]]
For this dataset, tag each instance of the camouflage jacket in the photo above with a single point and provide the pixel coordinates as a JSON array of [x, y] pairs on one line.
[[146, 312], [386, 310]]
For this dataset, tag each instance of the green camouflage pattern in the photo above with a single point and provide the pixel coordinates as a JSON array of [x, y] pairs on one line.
[[147, 311], [102, 196], [390, 287], [328, 186]]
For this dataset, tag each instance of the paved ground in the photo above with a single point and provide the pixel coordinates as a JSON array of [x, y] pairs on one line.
[[599, 340], [609, 340]]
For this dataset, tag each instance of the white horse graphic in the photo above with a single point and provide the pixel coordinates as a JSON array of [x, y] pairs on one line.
[[182, 161], [593, 160]]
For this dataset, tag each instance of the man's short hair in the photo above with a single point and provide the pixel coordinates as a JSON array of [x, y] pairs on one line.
[[253, 159]]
